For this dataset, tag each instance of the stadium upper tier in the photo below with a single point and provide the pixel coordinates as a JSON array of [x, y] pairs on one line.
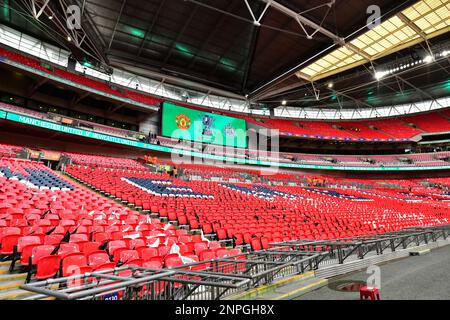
[[401, 128]]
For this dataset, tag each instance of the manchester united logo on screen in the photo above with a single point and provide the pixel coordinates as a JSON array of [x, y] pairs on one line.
[[183, 122]]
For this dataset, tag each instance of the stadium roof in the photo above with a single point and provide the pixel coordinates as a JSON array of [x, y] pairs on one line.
[[420, 22], [309, 54]]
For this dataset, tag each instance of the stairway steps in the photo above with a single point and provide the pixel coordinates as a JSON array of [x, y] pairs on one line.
[[4, 270], [15, 294], [11, 284], [12, 276]]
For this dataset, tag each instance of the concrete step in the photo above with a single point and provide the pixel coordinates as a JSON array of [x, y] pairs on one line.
[[4, 269], [14, 294], [261, 290], [38, 297], [418, 252], [12, 276], [11, 284], [294, 289]]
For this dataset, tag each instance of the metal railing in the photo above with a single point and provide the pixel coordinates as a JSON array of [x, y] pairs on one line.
[[359, 247], [222, 277]]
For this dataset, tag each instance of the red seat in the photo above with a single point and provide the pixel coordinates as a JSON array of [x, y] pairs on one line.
[[221, 252], [77, 271], [41, 251], [104, 266], [53, 239], [163, 250], [128, 255], [26, 254], [68, 248], [147, 253], [101, 237], [9, 231], [207, 228], [47, 267], [152, 264], [173, 262], [116, 244], [27, 240], [214, 245], [207, 255], [88, 247], [97, 258], [369, 293], [134, 262], [256, 244], [79, 237], [136, 243], [265, 243], [221, 234], [200, 246], [72, 262], [8, 243]]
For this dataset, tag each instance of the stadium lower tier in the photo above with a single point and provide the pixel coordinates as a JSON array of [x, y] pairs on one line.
[[51, 226], [256, 214]]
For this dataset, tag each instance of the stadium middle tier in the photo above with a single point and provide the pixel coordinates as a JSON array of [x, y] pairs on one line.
[[258, 214], [50, 225]]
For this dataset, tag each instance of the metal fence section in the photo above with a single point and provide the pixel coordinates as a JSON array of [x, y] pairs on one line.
[[222, 277]]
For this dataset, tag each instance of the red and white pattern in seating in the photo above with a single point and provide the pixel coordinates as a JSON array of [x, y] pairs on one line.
[[248, 219], [27, 215]]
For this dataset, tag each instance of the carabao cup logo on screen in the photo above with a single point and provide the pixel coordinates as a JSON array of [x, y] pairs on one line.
[[229, 130], [183, 122], [207, 121]]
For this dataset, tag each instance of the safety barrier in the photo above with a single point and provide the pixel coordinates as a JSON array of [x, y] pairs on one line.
[[221, 277]]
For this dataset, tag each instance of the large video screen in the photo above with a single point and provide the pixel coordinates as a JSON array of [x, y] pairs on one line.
[[190, 124]]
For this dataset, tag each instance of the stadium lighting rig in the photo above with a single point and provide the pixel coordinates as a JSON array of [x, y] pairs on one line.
[[408, 65]]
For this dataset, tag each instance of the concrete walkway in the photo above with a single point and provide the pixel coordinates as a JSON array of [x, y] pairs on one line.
[[413, 278]]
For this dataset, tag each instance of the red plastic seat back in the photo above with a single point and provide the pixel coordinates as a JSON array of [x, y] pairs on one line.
[[27, 240], [152, 264], [104, 266], [256, 244], [47, 267], [68, 248], [9, 231], [71, 262], [207, 255], [26, 254], [173, 262], [41, 251], [221, 252], [79, 237], [128, 255], [53, 239], [8, 243], [98, 258], [199, 247], [147, 253]]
